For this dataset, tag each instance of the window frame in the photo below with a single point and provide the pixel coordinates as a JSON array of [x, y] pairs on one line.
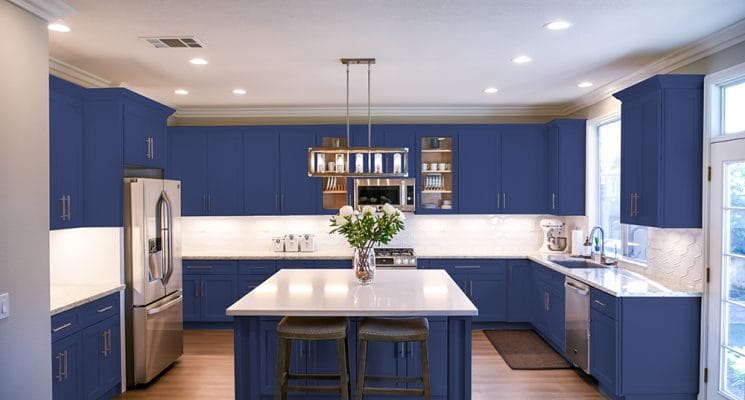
[[714, 85]]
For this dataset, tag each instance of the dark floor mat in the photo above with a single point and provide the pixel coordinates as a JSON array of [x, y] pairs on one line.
[[524, 349]]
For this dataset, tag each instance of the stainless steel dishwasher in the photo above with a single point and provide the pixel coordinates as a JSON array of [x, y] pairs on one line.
[[577, 327]]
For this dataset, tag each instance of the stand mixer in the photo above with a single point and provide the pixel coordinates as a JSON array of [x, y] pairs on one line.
[[552, 242]]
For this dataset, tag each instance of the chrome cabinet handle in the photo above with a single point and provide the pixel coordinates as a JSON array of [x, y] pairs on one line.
[[276, 201], [59, 328], [209, 202], [504, 200], [199, 267], [147, 148], [105, 343], [103, 310], [600, 303], [409, 349], [467, 267], [498, 200], [553, 201], [152, 148], [59, 376], [400, 346], [63, 214], [69, 208]]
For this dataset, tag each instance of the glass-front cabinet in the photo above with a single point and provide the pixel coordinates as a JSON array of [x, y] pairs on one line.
[[334, 189], [437, 180]]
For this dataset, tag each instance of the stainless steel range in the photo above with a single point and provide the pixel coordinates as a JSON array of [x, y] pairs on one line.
[[395, 258]]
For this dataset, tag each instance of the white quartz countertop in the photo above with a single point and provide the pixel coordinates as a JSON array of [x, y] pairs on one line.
[[335, 292], [66, 297], [265, 255]]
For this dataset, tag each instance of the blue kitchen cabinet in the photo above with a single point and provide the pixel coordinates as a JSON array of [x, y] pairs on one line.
[[566, 140], [101, 358], [524, 171], [661, 151], [210, 287], [248, 283], [145, 132], [604, 350], [437, 344], [209, 163], [480, 170], [333, 264], [252, 273], [298, 194], [268, 358], [399, 136], [548, 305], [519, 291], [436, 144], [66, 368], [261, 171], [484, 281], [333, 193], [65, 154], [187, 162]]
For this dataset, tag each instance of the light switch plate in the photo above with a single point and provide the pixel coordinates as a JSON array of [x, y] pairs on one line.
[[4, 305]]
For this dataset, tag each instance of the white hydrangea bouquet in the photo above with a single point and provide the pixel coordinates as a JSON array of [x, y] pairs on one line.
[[363, 231]]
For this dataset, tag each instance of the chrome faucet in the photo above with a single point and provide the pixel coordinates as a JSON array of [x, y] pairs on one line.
[[603, 259]]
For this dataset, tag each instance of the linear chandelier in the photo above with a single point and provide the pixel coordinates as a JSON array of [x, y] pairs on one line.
[[358, 162]]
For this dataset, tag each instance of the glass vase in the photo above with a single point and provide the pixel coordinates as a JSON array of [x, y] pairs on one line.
[[364, 266]]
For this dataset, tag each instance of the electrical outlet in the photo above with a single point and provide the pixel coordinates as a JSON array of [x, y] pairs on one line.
[[4, 305]]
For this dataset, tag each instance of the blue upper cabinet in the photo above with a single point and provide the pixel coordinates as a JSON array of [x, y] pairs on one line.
[[117, 127], [298, 194], [566, 140], [261, 170], [437, 186], [399, 136], [480, 169], [65, 154], [524, 171], [209, 163], [661, 151]]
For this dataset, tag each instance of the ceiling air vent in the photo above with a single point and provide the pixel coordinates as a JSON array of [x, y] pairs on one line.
[[164, 42]]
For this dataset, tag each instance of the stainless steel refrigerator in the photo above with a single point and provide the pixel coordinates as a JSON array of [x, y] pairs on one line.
[[152, 258]]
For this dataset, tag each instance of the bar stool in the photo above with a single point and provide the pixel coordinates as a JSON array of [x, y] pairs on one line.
[[392, 330], [311, 328]]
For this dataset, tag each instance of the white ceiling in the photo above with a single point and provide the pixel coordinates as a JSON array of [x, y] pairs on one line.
[[286, 53]]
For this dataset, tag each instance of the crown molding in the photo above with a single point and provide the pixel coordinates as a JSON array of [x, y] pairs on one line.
[[379, 111], [74, 74], [720, 40], [48, 10]]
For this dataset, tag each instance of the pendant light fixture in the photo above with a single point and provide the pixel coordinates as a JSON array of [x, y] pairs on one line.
[[358, 162]]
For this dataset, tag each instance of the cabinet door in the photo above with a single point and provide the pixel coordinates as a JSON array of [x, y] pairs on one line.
[[479, 168], [137, 127], [437, 352], [65, 161], [298, 191], [217, 293], [555, 317], [524, 179], [268, 357], [399, 136], [540, 307], [570, 168], [66, 374], [191, 287], [489, 294], [261, 162], [188, 163], [519, 291], [101, 355], [385, 359], [649, 196], [249, 283], [156, 132], [552, 141], [437, 144], [603, 349], [632, 123], [225, 173]]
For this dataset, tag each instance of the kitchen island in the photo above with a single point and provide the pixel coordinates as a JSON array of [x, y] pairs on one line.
[[335, 292]]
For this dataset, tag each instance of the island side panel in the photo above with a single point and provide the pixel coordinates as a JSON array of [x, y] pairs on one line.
[[247, 358], [459, 358]]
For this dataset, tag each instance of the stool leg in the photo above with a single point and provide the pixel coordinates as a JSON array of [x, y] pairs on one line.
[[279, 378], [425, 369], [286, 365], [361, 365], [343, 371]]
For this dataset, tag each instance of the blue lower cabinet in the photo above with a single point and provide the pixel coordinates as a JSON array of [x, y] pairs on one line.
[[603, 350], [519, 291], [217, 293], [489, 294], [210, 287], [66, 372], [437, 345], [548, 305], [86, 351], [248, 283], [268, 359], [333, 264], [192, 305]]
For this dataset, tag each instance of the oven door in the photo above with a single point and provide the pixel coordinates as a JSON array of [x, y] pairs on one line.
[[377, 192]]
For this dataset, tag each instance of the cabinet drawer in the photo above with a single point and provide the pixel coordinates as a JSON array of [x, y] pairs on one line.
[[210, 267], [295, 264], [99, 310], [258, 267], [549, 276], [604, 303], [65, 323], [475, 266]]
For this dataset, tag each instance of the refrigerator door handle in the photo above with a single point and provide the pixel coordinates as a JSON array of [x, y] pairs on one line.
[[164, 222], [164, 307]]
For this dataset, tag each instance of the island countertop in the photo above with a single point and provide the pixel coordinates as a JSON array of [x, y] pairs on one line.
[[335, 292]]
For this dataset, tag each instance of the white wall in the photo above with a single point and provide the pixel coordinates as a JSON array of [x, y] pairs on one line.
[[25, 339]]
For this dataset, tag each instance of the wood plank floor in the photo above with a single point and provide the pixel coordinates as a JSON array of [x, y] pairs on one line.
[[205, 371]]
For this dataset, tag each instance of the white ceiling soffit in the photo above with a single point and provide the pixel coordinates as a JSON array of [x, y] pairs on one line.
[[48, 10]]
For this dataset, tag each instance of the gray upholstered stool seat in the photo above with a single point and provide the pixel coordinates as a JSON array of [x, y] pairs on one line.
[[311, 328], [393, 330]]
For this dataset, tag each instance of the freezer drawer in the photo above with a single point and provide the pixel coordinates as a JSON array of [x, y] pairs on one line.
[[157, 336]]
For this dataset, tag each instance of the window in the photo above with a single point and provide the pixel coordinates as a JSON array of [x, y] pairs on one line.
[[733, 104], [627, 240]]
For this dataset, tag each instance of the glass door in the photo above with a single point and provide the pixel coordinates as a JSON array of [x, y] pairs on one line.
[[726, 340], [437, 172], [334, 190]]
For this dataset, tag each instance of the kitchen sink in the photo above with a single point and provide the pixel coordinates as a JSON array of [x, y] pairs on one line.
[[575, 264]]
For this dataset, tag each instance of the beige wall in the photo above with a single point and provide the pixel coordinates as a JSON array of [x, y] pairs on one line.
[[25, 342]]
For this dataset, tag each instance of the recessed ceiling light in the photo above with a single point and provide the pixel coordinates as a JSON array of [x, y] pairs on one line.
[[584, 84], [239, 91], [491, 90], [521, 59], [198, 61], [58, 27], [558, 25], [181, 91]]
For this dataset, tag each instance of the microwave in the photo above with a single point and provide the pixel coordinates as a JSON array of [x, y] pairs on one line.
[[379, 191]]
